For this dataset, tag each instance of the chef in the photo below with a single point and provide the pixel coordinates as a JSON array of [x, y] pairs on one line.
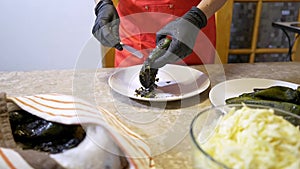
[[143, 23]]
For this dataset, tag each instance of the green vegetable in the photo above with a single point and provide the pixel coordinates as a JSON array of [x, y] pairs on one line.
[[160, 49], [279, 93], [143, 92], [147, 75], [32, 132], [279, 97]]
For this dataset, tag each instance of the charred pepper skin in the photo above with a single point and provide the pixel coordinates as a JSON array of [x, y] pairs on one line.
[[32, 132], [280, 93], [279, 97], [147, 75]]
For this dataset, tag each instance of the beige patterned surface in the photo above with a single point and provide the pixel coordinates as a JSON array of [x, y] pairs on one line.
[[155, 121]]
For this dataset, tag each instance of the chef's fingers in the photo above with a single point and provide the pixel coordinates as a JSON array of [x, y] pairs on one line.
[[115, 32], [175, 52]]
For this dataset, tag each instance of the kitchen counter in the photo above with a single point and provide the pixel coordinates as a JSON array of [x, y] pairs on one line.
[[164, 125]]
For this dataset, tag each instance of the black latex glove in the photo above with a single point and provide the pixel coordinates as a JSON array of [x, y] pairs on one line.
[[106, 27], [183, 32]]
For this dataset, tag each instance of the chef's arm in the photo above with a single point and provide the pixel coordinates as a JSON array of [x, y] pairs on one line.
[[106, 27], [184, 31], [210, 7]]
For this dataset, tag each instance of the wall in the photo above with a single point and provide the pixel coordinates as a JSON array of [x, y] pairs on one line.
[[44, 34]]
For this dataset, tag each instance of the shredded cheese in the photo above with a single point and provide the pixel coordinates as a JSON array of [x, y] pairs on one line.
[[250, 138]]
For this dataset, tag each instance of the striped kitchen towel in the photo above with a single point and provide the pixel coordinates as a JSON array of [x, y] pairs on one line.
[[108, 143]]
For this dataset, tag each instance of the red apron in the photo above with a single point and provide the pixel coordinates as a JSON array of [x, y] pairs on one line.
[[141, 19]]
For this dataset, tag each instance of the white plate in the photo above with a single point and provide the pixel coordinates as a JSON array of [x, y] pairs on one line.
[[175, 82], [233, 88]]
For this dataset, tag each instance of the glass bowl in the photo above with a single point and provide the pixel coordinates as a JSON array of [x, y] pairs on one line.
[[206, 124]]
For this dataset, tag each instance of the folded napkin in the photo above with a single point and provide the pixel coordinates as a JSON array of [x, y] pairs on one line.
[[108, 143]]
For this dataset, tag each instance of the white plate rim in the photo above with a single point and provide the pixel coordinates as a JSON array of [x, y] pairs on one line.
[[251, 82], [201, 88]]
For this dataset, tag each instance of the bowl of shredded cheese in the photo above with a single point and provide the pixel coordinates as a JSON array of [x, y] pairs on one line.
[[245, 137]]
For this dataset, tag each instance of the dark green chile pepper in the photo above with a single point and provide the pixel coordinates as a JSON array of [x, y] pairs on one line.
[[36, 133], [278, 97], [279, 93], [147, 75]]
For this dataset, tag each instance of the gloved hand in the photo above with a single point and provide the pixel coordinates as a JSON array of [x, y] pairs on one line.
[[183, 32], [106, 27]]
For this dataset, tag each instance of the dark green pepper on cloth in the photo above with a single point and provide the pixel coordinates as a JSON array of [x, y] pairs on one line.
[[38, 134]]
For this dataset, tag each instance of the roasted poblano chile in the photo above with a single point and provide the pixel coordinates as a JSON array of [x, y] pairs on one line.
[[33, 132], [280, 93], [278, 97], [147, 75]]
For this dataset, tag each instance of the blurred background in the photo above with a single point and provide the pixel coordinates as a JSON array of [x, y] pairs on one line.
[[244, 24], [44, 34]]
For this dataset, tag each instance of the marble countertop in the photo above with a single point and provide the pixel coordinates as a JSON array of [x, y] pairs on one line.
[[165, 125]]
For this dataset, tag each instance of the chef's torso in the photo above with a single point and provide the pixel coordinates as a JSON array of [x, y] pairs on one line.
[[141, 19]]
